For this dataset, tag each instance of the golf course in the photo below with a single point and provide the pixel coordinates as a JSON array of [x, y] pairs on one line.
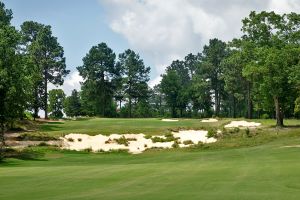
[[263, 165]]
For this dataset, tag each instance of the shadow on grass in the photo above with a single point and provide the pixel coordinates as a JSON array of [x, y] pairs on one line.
[[25, 154]]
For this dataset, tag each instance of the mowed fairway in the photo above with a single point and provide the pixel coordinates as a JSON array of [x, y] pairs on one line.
[[106, 126], [259, 167]]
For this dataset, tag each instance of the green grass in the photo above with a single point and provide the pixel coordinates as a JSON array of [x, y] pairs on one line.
[[152, 126], [238, 166], [149, 126]]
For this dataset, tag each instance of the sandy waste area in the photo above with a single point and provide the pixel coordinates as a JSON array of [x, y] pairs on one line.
[[169, 120], [137, 143], [209, 120], [245, 124]]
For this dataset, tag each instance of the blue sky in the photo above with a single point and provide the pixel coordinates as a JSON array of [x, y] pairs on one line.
[[77, 24], [159, 30]]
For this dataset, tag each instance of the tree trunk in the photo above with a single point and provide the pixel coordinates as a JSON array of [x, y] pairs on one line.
[[120, 104], [233, 108], [2, 141], [279, 113], [217, 111], [129, 106], [46, 93], [249, 101]]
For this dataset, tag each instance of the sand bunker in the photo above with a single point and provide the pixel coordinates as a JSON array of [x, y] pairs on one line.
[[169, 120], [209, 120], [234, 124], [136, 143]]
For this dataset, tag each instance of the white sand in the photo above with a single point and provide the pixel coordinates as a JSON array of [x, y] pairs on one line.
[[169, 120], [209, 120], [194, 136], [107, 143], [234, 124]]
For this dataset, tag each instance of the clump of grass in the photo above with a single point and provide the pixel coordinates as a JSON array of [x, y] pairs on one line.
[[79, 139], [147, 136], [187, 142], [131, 139], [247, 132], [108, 141], [145, 145], [211, 133], [88, 150], [122, 140], [70, 140], [175, 144], [157, 139], [42, 144]]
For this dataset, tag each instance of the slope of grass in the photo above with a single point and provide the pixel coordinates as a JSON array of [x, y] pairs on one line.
[[257, 165], [267, 171], [151, 126]]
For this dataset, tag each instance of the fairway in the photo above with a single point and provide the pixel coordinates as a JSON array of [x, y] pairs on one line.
[[235, 167], [263, 172], [151, 126]]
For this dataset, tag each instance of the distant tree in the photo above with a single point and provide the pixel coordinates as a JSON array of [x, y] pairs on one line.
[[200, 93], [100, 74], [72, 104], [171, 87], [184, 78], [135, 77], [47, 57], [213, 54], [56, 102], [30, 31]]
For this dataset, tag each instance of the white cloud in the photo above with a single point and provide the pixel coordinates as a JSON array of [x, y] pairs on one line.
[[166, 30], [72, 81]]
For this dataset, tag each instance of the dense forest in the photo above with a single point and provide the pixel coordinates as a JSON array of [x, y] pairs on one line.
[[254, 76]]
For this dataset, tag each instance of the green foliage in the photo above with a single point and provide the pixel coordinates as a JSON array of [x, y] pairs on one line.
[[101, 75], [135, 76], [72, 105], [56, 102], [211, 133], [297, 107]]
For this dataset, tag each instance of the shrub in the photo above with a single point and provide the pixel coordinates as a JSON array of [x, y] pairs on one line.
[[70, 140], [79, 139], [265, 116], [187, 142]]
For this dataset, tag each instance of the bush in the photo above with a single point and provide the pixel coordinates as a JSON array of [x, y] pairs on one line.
[[265, 116], [79, 139], [70, 140]]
